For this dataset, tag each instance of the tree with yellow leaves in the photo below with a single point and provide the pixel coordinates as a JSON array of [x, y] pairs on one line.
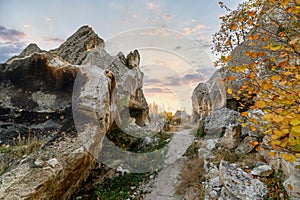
[[269, 30]]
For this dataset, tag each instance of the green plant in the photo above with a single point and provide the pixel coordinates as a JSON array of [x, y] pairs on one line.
[[120, 187], [200, 133], [275, 186]]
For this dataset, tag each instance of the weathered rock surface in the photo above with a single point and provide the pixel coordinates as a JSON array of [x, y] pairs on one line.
[[232, 137], [239, 183], [218, 120], [38, 95], [245, 146], [292, 185], [76, 48], [262, 170], [234, 183]]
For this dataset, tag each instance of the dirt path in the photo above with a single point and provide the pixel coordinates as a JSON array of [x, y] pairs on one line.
[[164, 185]]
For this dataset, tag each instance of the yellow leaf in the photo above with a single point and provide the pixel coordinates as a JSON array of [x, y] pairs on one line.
[[298, 155], [266, 86], [290, 186], [296, 129], [279, 133], [284, 3], [276, 78], [244, 124], [288, 157], [275, 47], [260, 104], [252, 128], [278, 118], [295, 122], [267, 116], [229, 91]]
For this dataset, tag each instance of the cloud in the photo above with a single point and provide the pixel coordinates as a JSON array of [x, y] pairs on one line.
[[167, 17], [10, 35], [26, 26], [152, 6], [153, 90], [7, 50], [48, 19], [11, 42], [53, 39], [156, 32], [195, 29]]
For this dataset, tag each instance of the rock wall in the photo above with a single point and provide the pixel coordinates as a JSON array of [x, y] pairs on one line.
[[41, 96]]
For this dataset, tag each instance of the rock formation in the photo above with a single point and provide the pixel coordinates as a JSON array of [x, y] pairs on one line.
[[41, 98]]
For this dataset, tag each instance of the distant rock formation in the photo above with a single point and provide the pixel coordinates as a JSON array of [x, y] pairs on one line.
[[39, 89]]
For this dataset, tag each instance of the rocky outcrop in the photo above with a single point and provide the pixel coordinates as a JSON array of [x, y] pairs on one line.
[[68, 97], [234, 183], [130, 95], [76, 48]]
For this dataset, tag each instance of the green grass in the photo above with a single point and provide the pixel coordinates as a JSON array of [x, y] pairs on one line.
[[119, 188]]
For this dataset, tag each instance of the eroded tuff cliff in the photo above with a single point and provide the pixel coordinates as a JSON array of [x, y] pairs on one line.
[[39, 89]]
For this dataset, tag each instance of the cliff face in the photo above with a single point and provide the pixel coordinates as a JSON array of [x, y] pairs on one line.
[[43, 93]]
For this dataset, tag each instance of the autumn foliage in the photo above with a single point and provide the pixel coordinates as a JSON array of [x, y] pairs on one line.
[[271, 31]]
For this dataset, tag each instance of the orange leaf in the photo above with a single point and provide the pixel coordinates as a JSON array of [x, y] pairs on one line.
[[231, 78], [251, 13], [228, 42], [275, 147], [234, 27], [244, 114], [281, 34], [272, 153], [260, 54], [254, 143]]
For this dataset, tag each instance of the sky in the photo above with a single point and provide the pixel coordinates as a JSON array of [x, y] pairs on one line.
[[173, 37]]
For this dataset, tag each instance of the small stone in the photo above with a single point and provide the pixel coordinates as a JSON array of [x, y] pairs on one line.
[[262, 170], [39, 163], [52, 162], [232, 137]]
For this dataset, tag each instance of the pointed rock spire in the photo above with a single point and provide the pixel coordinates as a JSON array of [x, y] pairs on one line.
[[75, 48]]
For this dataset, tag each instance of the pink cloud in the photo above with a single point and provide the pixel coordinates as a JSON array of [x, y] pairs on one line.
[[152, 6], [195, 29]]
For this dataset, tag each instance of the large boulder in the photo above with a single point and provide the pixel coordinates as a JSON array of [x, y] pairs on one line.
[[218, 120], [240, 184], [56, 97], [233, 183]]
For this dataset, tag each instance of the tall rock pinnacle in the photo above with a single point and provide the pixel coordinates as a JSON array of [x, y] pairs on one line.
[[75, 48]]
